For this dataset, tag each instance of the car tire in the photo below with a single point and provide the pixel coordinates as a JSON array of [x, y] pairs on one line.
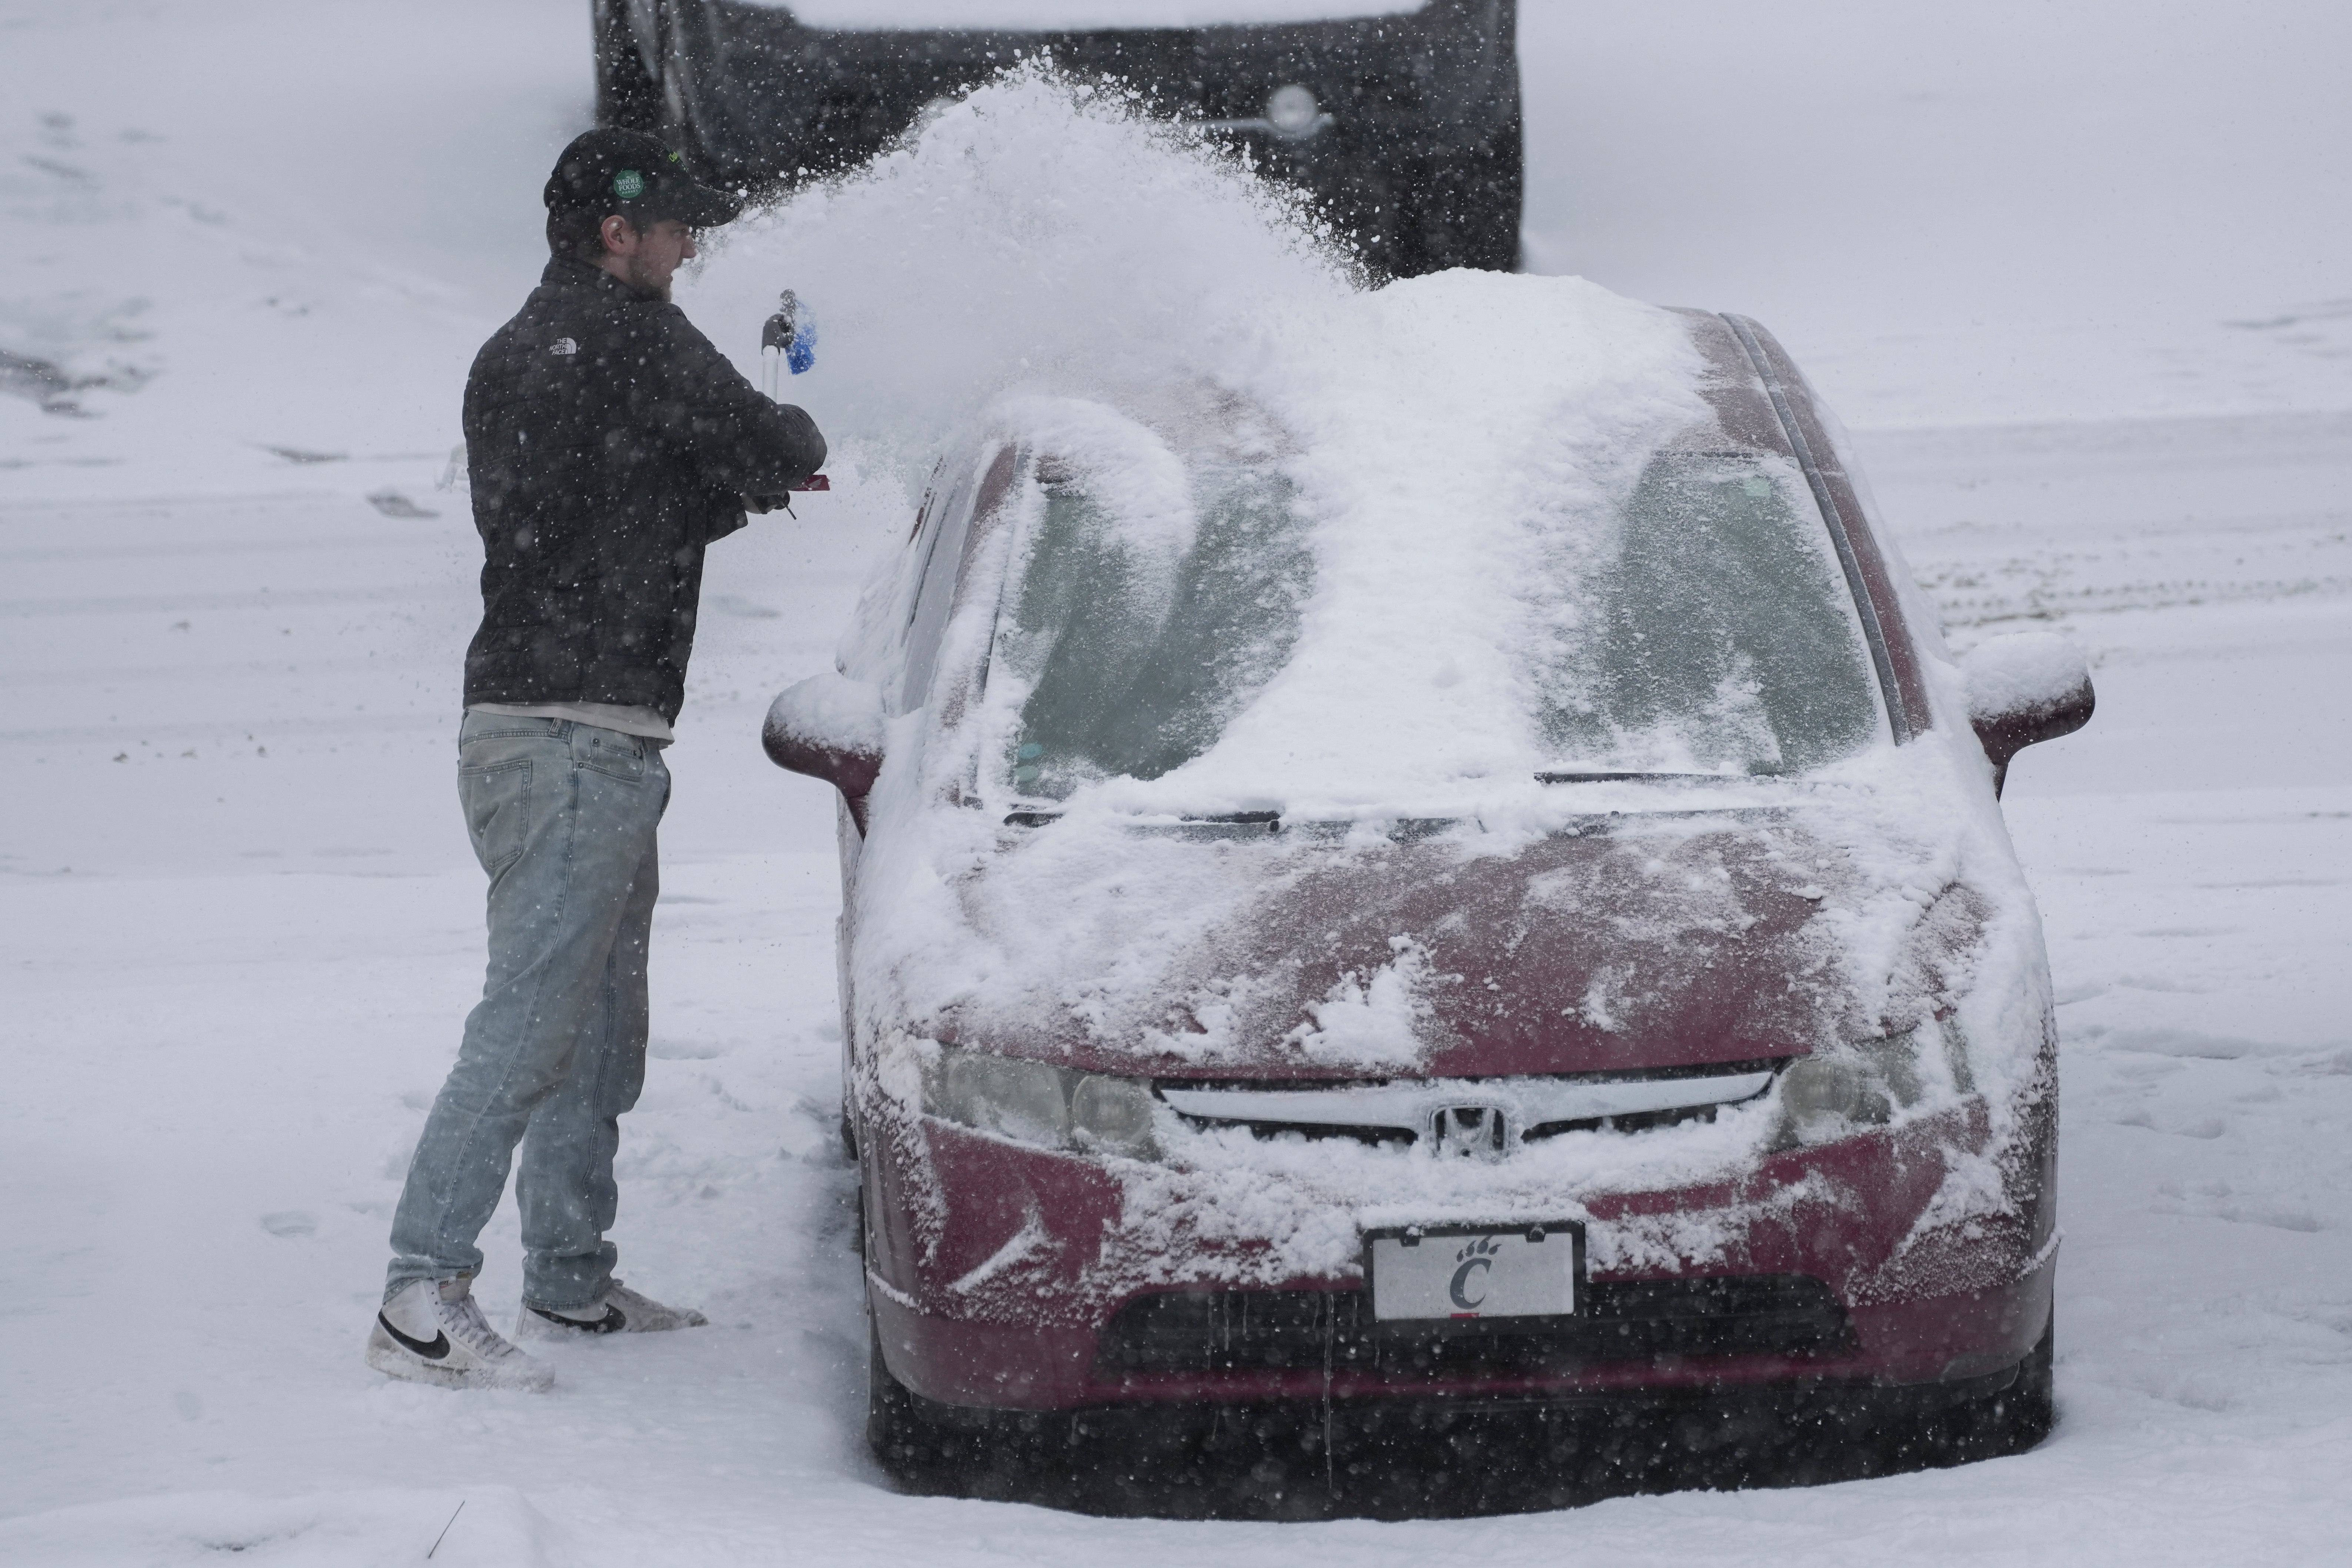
[[904, 1444], [2009, 1421], [913, 1449], [2022, 1415], [922, 1445]]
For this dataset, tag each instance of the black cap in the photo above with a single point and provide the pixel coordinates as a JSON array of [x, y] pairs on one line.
[[632, 174]]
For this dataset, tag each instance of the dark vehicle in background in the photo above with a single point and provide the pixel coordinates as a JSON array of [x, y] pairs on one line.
[[1403, 124]]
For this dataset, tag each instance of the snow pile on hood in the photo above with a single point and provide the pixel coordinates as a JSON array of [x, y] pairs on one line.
[[1375, 1020]]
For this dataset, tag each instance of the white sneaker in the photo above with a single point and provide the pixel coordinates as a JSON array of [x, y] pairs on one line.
[[619, 1310], [434, 1332]]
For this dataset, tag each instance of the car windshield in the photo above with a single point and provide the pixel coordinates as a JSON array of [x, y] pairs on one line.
[[1713, 634], [1701, 626], [1137, 644]]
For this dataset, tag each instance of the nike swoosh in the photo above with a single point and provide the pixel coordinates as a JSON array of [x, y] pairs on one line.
[[612, 1322], [435, 1350]]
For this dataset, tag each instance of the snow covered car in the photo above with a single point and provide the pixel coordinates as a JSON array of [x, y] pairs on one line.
[[1401, 117], [1460, 871]]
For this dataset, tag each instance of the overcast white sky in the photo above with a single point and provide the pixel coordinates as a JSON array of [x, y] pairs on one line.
[[1999, 210], [1996, 212]]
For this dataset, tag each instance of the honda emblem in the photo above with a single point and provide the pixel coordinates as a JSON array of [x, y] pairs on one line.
[[1472, 1132]]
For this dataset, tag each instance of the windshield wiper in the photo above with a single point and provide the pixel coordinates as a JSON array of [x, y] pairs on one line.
[[1269, 820], [1611, 776]]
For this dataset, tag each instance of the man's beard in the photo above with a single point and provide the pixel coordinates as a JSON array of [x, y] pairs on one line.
[[642, 280]]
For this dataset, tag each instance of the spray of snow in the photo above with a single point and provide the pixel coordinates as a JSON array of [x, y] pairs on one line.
[[1037, 234]]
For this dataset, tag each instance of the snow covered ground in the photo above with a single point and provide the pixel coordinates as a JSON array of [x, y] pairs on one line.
[[239, 923]]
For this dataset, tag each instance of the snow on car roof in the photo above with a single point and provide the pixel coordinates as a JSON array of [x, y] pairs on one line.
[[1052, 16]]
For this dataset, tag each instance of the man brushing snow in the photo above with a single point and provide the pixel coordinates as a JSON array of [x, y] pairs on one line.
[[607, 443]]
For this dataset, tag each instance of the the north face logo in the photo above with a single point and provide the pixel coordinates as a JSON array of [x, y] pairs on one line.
[[564, 346]]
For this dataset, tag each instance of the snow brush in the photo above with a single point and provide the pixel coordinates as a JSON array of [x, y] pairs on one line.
[[789, 339]]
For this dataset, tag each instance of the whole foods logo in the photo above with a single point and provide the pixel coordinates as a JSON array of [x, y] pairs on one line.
[[628, 184]]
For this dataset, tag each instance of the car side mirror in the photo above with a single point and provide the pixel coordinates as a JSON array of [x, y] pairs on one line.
[[829, 727], [2025, 687]]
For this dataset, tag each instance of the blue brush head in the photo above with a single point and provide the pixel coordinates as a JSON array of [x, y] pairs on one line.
[[791, 332]]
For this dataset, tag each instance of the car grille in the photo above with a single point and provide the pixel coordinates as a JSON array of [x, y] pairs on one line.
[[1473, 1115], [1635, 1319]]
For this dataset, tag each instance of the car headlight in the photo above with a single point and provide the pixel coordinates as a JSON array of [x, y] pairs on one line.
[[1836, 1093], [1036, 1102]]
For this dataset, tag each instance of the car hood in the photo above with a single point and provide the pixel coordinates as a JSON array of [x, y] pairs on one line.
[[1623, 945]]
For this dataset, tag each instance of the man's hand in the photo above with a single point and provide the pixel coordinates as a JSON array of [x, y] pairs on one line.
[[762, 505]]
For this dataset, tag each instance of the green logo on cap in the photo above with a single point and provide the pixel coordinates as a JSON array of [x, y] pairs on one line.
[[628, 184]]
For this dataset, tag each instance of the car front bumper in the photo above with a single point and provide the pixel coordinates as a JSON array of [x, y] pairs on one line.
[[1006, 1277]]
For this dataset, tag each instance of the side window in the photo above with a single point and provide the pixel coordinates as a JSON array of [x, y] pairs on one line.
[[928, 620], [877, 636], [940, 508]]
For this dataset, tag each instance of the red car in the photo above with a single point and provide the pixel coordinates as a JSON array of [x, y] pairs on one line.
[[1474, 888]]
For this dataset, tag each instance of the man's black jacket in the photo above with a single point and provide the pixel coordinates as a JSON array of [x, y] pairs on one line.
[[606, 444]]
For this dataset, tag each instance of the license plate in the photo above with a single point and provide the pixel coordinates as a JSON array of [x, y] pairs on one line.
[[1472, 1274]]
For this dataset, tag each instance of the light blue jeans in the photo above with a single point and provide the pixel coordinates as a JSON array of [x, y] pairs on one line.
[[563, 817]]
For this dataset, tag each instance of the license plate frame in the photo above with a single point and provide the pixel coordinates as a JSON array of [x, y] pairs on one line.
[[1432, 1270]]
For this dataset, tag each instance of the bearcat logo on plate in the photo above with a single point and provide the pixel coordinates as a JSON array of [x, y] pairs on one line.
[[1474, 1262]]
